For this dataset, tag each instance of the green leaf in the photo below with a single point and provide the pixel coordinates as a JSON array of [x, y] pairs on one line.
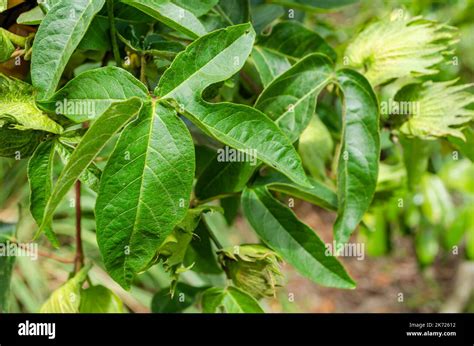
[[290, 100], [67, 298], [235, 11], [359, 154], [239, 126], [314, 5], [231, 207], [426, 245], [31, 17], [269, 64], [3, 5], [90, 177], [169, 13], [58, 35], [316, 147], [437, 206], [96, 137], [97, 36], [198, 7], [229, 300], [99, 299], [18, 108], [40, 177], [264, 15], [399, 46], [221, 178], [200, 253], [466, 147], [183, 298], [319, 194], [6, 47], [144, 191], [104, 86], [441, 108], [294, 41], [416, 154], [19, 144], [294, 241], [6, 266]]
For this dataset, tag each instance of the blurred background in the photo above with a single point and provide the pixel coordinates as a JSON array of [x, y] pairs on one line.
[[418, 258]]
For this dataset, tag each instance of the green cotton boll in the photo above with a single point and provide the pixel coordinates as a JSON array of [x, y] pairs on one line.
[[254, 268]]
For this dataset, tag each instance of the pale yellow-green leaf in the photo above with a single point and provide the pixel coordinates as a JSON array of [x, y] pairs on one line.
[[66, 299], [399, 46], [18, 108]]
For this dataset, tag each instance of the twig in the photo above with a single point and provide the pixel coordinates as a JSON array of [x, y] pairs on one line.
[[79, 258], [113, 32]]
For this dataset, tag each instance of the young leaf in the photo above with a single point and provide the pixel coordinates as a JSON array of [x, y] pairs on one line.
[[144, 191], [290, 100], [67, 298], [319, 194], [18, 108], [58, 35], [294, 241], [359, 154], [230, 300], [171, 14], [239, 126], [104, 86], [99, 299], [40, 176], [441, 108], [399, 46], [108, 124]]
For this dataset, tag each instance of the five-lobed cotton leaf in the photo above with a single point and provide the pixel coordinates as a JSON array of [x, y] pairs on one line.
[[144, 190]]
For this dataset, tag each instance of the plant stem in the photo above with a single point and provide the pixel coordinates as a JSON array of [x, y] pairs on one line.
[[142, 69], [113, 33], [79, 258]]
